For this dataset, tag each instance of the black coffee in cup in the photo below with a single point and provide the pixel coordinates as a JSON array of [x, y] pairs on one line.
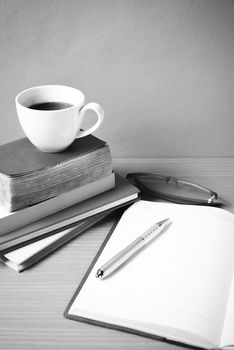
[[50, 106]]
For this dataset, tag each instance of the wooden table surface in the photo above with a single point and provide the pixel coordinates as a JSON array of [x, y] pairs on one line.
[[32, 303]]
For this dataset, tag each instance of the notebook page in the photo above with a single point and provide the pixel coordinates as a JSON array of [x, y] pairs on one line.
[[228, 327], [180, 280]]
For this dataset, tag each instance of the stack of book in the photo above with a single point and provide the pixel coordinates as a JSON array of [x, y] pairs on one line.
[[48, 199]]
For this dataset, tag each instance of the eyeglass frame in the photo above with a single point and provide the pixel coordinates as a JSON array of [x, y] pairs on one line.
[[135, 179]]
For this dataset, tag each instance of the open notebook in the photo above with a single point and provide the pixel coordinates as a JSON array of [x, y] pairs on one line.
[[180, 287]]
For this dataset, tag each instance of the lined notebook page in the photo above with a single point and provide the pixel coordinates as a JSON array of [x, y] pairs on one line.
[[179, 281]]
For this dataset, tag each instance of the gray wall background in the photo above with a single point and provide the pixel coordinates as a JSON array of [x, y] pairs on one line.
[[163, 69]]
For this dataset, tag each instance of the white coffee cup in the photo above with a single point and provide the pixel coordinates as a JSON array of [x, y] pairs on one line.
[[53, 130]]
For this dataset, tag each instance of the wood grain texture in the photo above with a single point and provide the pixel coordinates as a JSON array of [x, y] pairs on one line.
[[32, 303]]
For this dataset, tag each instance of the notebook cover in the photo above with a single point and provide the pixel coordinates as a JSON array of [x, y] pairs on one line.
[[100, 323], [21, 157]]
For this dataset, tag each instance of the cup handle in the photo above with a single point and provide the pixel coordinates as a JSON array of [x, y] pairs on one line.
[[100, 116]]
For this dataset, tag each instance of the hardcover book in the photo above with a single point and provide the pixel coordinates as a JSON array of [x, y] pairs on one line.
[[29, 176]]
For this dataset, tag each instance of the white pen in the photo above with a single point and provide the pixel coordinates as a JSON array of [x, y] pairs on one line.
[[121, 257]]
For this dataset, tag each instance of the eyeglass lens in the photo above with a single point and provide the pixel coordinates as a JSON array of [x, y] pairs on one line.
[[176, 188]]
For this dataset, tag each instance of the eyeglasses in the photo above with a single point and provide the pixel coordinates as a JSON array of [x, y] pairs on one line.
[[173, 190]]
